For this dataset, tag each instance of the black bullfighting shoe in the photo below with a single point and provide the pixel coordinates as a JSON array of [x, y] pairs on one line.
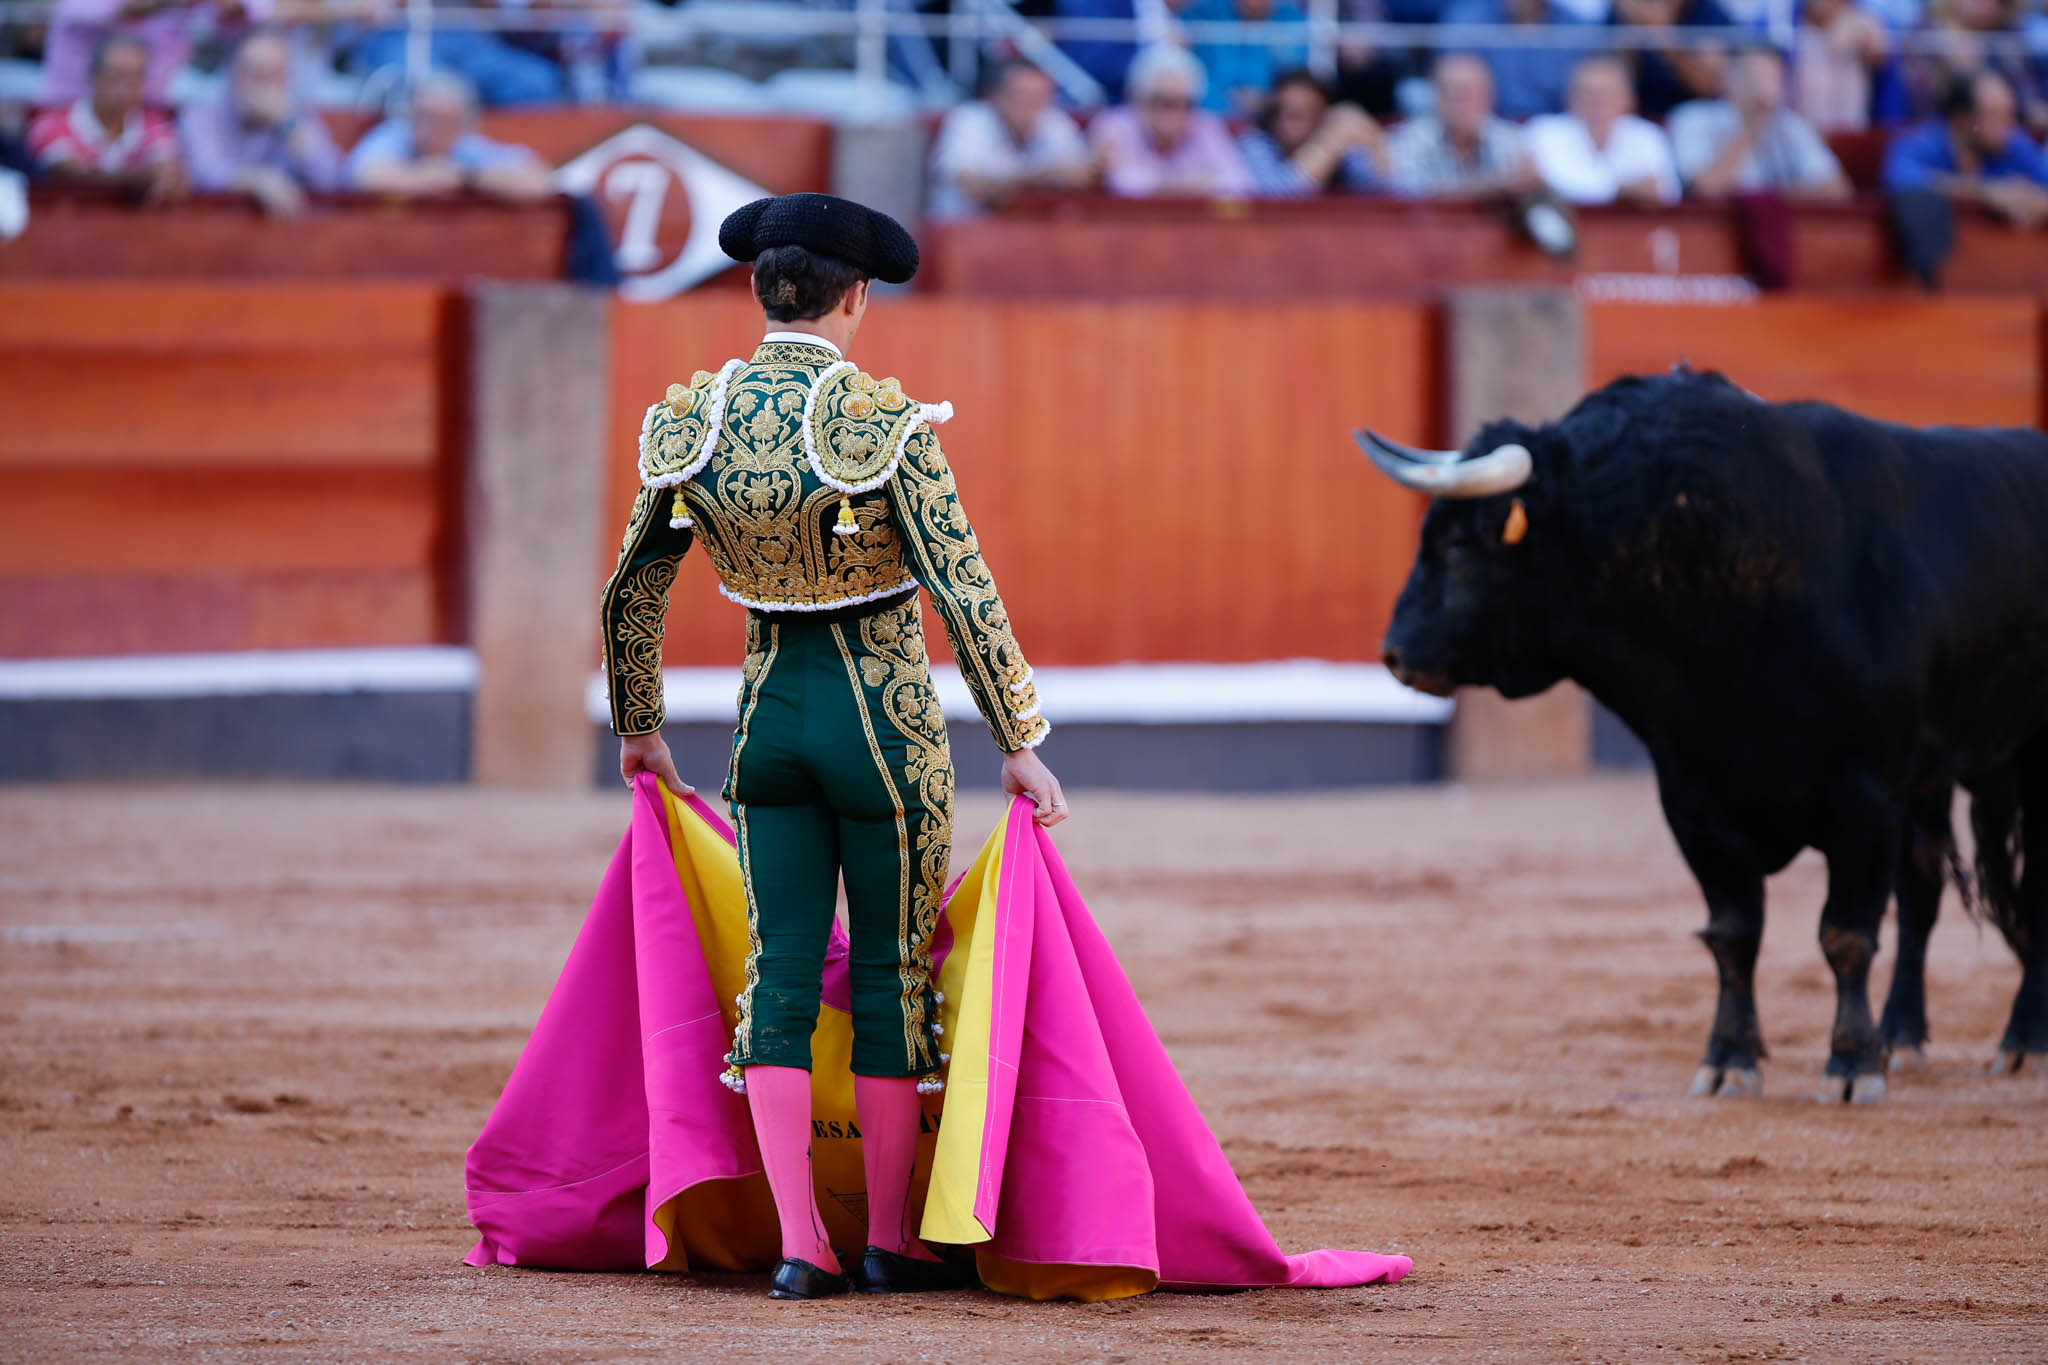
[[891, 1272], [799, 1279]]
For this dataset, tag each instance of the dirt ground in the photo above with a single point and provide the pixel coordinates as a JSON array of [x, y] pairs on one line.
[[246, 1033]]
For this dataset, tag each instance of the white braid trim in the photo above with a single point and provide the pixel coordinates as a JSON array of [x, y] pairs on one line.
[[930, 1086], [833, 605], [1028, 712], [928, 414], [809, 437], [714, 418], [1023, 682], [1039, 739]]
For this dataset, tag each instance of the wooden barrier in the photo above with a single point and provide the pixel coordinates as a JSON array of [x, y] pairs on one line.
[[1094, 247], [212, 466], [1916, 359], [1151, 481], [221, 466], [90, 235]]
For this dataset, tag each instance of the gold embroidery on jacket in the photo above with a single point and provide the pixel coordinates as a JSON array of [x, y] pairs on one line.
[[634, 609], [977, 625], [898, 668], [765, 518]]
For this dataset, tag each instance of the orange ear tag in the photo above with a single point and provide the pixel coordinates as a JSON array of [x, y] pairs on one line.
[[1518, 524]]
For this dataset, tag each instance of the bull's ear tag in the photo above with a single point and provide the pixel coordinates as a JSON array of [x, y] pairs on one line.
[[1518, 524]]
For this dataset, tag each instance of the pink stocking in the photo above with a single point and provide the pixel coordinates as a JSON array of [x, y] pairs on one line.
[[890, 1110], [779, 1097]]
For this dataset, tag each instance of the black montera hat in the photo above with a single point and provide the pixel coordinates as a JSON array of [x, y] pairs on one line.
[[872, 243]]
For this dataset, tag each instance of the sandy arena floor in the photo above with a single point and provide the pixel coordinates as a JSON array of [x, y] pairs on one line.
[[246, 1033]]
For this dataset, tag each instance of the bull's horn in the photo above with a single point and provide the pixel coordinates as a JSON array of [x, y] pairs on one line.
[[1443, 473]]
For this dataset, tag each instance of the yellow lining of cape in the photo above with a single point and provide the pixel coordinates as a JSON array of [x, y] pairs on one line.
[[968, 982]]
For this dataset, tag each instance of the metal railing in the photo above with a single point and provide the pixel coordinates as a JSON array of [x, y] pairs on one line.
[[976, 24]]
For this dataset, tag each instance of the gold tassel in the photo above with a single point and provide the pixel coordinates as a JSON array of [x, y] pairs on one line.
[[679, 513], [845, 525]]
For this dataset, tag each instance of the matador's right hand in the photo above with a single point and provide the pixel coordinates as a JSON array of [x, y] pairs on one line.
[[649, 754]]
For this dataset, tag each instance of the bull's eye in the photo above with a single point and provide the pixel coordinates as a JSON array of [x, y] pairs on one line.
[[1517, 524]]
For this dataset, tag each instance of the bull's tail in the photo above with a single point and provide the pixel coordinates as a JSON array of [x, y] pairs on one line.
[[1997, 819]]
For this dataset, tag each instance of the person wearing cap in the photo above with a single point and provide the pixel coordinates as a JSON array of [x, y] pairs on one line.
[[824, 502]]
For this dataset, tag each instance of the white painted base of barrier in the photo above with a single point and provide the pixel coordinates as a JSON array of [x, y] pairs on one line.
[[1143, 694], [1127, 694]]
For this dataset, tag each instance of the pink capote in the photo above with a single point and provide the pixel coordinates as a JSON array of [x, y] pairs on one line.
[[1092, 1153]]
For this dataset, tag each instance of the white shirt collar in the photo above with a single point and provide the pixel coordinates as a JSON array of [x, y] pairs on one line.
[[86, 124], [803, 339]]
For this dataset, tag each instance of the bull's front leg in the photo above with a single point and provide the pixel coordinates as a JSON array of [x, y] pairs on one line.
[[1923, 870], [1860, 871], [1734, 933]]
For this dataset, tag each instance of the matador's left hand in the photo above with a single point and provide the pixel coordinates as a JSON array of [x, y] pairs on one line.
[[649, 754]]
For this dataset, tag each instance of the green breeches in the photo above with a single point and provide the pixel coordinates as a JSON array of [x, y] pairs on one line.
[[841, 774]]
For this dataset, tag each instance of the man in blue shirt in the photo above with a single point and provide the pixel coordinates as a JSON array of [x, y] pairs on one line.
[[1975, 153], [436, 149]]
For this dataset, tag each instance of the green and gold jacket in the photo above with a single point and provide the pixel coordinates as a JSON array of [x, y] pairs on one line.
[[813, 487]]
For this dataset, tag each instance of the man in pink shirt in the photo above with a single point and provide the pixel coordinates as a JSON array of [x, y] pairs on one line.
[[108, 138], [1161, 142], [164, 28]]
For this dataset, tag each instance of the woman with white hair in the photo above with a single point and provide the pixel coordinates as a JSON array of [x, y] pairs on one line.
[[1162, 142]]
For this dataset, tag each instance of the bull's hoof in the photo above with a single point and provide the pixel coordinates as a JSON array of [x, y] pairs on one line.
[[2008, 1062], [1868, 1088], [1742, 1083], [1907, 1059], [1730, 1083]]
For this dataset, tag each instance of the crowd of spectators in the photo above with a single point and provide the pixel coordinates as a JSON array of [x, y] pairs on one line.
[[1587, 125], [1703, 106], [257, 137]]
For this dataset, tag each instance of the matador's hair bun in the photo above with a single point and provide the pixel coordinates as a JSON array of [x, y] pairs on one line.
[[873, 243]]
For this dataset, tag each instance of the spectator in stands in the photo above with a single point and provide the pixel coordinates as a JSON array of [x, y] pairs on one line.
[[1838, 50], [1241, 73], [1668, 78], [501, 72], [1014, 138], [1303, 144], [1750, 142], [1599, 152], [1463, 150], [436, 149], [1528, 78], [1974, 154], [165, 29], [1161, 142], [254, 139], [1961, 32], [107, 137]]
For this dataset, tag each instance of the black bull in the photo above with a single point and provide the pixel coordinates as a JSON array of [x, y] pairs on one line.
[[1817, 624]]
